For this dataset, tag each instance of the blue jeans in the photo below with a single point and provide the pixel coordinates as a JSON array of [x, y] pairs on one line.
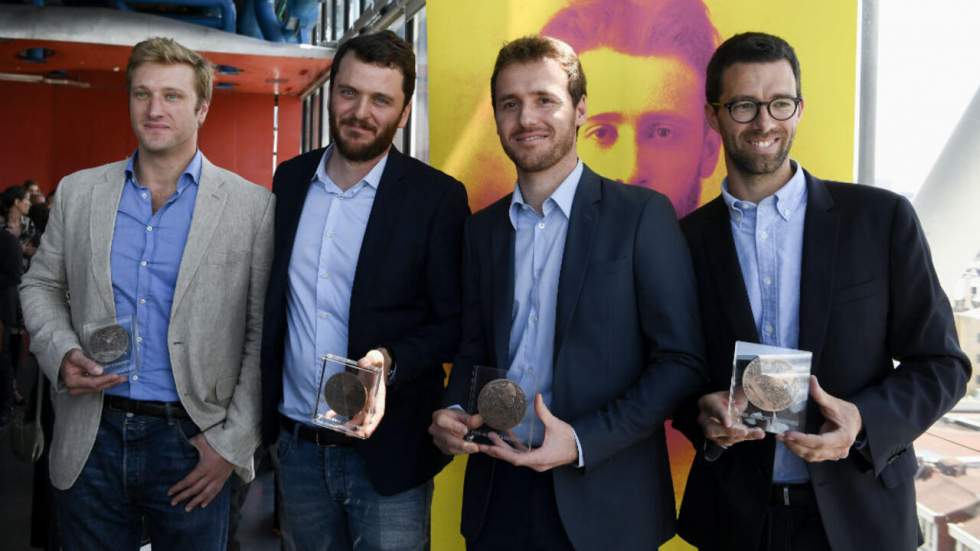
[[330, 505], [124, 483]]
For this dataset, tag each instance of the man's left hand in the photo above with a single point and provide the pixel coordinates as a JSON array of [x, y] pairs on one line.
[[557, 449], [836, 436], [203, 483], [367, 420]]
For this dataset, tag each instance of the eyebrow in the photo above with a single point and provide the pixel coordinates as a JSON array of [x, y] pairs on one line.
[[753, 98]]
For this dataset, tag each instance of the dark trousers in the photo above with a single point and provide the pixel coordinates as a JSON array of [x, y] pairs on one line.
[[796, 526], [522, 513]]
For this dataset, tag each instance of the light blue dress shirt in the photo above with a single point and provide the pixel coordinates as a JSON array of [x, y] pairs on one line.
[[321, 276], [769, 240], [539, 247], [147, 248]]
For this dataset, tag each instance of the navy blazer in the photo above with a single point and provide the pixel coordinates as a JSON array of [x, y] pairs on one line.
[[628, 349], [868, 295], [406, 298]]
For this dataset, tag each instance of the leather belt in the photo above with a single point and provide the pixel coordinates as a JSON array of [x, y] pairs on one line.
[[318, 436], [145, 407], [792, 495]]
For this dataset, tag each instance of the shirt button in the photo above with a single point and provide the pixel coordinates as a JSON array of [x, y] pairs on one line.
[[325, 275], [142, 301], [139, 340], [768, 328], [764, 235], [540, 225], [767, 280], [322, 315], [149, 228], [142, 263], [135, 377], [330, 234], [143, 195]]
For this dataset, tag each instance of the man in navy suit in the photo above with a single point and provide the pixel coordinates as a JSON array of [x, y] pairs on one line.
[[366, 265], [582, 289], [842, 270]]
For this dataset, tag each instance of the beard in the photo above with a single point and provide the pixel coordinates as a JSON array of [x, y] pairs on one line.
[[366, 152], [755, 164], [531, 161]]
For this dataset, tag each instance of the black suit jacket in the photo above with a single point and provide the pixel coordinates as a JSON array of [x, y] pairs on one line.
[[868, 295], [406, 297], [628, 349]]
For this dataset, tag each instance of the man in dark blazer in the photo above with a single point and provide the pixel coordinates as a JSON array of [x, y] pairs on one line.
[[367, 257], [842, 270], [586, 285]]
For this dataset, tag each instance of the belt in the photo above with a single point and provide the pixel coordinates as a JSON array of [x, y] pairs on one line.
[[792, 495], [318, 436], [145, 407]]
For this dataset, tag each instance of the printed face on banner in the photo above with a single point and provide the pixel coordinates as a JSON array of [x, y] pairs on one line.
[[651, 132]]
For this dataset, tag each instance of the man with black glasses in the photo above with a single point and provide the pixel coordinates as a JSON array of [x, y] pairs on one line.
[[783, 258]]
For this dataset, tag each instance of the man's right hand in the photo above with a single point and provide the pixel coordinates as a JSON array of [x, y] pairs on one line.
[[720, 427], [81, 375], [448, 428]]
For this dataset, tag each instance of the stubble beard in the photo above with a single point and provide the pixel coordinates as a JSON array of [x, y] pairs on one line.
[[385, 135], [755, 164]]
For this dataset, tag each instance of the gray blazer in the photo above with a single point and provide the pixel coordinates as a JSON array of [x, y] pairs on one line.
[[215, 321]]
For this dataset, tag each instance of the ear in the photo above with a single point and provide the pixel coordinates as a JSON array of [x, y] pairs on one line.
[[580, 112], [799, 111], [710, 148], [202, 113], [405, 114], [711, 116]]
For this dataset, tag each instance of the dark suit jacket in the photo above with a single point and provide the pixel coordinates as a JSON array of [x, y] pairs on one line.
[[868, 295], [406, 297], [627, 350]]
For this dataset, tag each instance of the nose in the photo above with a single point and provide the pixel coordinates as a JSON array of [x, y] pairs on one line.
[[361, 108], [154, 107], [527, 116], [763, 120]]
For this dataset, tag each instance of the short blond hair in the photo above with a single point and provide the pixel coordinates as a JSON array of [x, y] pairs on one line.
[[168, 51]]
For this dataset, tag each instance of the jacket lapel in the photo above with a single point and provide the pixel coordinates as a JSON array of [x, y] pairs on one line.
[[817, 270], [502, 266], [388, 202], [726, 272], [582, 226], [208, 206], [102, 223]]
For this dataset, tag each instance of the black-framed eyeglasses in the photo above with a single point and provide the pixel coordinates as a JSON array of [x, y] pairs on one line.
[[745, 111]]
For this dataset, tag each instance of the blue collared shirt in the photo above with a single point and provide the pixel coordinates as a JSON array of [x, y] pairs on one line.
[[321, 276], [769, 240], [147, 248], [539, 247]]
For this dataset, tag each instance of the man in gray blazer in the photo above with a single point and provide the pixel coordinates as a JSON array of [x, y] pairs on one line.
[[168, 256]]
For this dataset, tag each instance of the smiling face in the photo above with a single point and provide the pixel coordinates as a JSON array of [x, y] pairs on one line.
[[367, 106], [760, 147], [651, 133], [164, 109], [536, 120]]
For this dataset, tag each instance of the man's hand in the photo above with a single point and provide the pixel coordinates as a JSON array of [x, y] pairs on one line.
[[205, 481], [367, 420], [448, 428], [720, 427], [837, 435], [81, 375], [557, 449]]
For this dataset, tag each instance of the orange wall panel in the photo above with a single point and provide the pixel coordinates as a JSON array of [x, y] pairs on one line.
[[49, 132]]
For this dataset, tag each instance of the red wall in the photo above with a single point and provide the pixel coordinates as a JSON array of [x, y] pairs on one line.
[[49, 131]]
